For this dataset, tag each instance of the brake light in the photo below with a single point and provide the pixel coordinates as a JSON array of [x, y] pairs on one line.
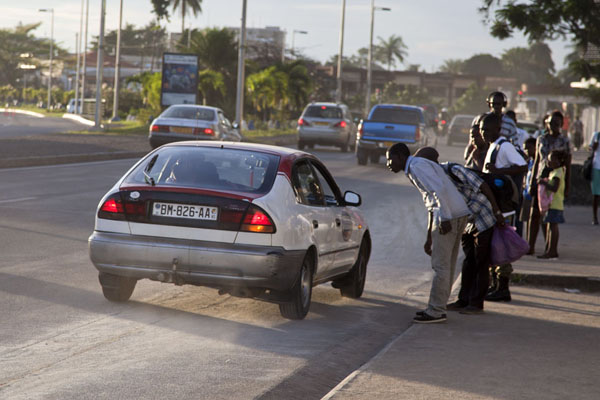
[[443, 122], [302, 121], [115, 208], [418, 133], [159, 128], [257, 221], [206, 131], [360, 130], [341, 124], [112, 206]]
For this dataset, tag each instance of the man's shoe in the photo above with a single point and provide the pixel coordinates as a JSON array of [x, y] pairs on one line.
[[456, 306], [499, 295], [471, 310], [421, 313], [428, 319]]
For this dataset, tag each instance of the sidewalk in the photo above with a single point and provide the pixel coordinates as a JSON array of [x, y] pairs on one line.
[[542, 345]]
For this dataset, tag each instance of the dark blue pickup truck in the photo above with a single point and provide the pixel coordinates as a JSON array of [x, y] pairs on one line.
[[388, 124]]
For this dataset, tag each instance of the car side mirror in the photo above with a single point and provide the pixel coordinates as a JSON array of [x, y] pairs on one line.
[[352, 199]]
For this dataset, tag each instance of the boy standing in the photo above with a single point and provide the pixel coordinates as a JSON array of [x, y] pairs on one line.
[[555, 183], [448, 214]]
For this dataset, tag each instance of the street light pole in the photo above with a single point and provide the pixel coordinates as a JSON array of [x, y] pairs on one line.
[[370, 56], [99, 65], [338, 92], [115, 114], [294, 38], [51, 11], [87, 14], [78, 52], [239, 97]]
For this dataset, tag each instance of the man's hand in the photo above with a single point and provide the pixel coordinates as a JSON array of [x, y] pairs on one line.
[[445, 227], [427, 246], [499, 218], [492, 168]]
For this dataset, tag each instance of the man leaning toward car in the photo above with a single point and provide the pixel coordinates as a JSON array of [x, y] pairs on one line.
[[448, 215]]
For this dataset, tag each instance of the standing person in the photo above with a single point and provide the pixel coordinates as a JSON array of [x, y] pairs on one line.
[[551, 140], [502, 158], [595, 176], [577, 133], [476, 239], [555, 183], [527, 195], [448, 214], [477, 147], [496, 102]]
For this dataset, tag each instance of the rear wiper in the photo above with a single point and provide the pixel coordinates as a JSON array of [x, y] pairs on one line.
[[147, 177]]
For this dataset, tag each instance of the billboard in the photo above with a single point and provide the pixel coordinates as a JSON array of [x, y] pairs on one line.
[[179, 79]]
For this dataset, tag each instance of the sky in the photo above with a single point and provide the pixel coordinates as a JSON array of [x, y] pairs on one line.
[[433, 30]]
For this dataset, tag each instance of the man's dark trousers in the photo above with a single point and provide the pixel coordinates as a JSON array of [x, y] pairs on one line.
[[475, 269]]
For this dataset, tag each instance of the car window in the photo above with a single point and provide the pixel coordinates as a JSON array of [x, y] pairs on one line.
[[307, 185], [223, 119], [327, 189], [208, 168], [189, 113], [463, 122], [396, 116], [323, 112]]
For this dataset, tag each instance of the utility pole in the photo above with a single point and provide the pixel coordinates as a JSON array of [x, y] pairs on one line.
[[239, 98], [51, 11], [78, 52], [99, 64], [338, 92], [87, 14], [115, 114], [370, 56]]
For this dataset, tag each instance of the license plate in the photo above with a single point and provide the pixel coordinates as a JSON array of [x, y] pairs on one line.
[[322, 123], [187, 211], [178, 129], [389, 144]]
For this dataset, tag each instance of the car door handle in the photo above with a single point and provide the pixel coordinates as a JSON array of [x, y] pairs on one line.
[[338, 222], [315, 223]]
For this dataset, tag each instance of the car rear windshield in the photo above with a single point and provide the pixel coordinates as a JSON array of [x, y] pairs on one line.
[[190, 113], [212, 168], [396, 116], [323, 112]]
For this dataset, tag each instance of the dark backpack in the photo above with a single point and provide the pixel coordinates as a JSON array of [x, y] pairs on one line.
[[504, 189]]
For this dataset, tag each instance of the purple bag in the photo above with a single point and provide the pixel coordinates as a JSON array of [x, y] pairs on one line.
[[544, 198], [507, 245]]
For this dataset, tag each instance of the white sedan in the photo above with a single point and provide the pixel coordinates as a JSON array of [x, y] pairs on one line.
[[250, 220]]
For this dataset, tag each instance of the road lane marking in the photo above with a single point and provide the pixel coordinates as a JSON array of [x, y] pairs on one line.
[[17, 200]]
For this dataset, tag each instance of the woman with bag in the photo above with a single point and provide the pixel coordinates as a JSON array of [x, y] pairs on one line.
[[595, 175]]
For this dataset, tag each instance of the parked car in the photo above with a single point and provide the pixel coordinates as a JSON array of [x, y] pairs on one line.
[[251, 220], [327, 124], [191, 122], [71, 106], [388, 124], [530, 127], [460, 128]]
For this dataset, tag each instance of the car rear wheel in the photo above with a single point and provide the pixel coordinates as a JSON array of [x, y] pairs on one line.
[[116, 288], [361, 157], [354, 283], [301, 292], [374, 158]]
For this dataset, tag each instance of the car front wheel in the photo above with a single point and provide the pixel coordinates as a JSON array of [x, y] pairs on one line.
[[116, 288], [354, 283], [301, 292]]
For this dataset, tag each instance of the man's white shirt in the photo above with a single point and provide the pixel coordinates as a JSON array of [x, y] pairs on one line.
[[507, 155]]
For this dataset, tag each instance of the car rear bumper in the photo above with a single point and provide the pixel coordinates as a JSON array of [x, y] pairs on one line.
[[328, 137], [202, 263]]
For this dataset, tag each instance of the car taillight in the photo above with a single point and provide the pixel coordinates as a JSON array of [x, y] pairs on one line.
[[443, 122], [360, 131], [114, 208], [341, 124], [418, 133], [159, 128], [256, 220], [302, 121], [205, 131]]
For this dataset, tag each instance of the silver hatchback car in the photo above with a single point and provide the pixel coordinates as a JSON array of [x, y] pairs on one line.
[[328, 124], [191, 122]]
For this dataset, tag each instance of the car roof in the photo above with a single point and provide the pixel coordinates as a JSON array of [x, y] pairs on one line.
[[402, 106], [194, 106], [327, 104]]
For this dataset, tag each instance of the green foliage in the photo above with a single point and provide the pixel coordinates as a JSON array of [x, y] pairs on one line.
[[532, 65], [405, 94], [390, 50], [185, 6], [160, 8], [483, 64], [472, 101], [8, 93], [453, 66], [210, 84]]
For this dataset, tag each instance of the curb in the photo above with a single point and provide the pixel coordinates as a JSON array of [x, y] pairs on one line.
[[68, 159], [17, 111], [564, 282], [79, 119]]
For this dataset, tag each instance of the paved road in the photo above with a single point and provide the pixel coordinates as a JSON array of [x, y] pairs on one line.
[[15, 125], [61, 339]]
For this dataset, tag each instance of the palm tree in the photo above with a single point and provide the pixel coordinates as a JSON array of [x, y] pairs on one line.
[[388, 51], [267, 89], [452, 66], [195, 6], [300, 84], [209, 82]]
